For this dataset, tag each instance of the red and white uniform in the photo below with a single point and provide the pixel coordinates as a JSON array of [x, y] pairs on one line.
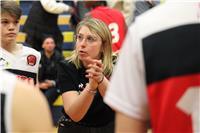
[[24, 64], [157, 76], [115, 21]]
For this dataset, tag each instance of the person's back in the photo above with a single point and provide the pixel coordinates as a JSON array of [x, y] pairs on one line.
[[113, 18], [173, 48], [42, 20], [37, 22], [22, 106], [41, 16], [164, 66]]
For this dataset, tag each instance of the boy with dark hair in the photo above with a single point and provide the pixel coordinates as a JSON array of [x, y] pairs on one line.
[[16, 58]]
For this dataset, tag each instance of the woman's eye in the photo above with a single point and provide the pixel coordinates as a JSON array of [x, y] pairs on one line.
[[79, 37], [90, 39]]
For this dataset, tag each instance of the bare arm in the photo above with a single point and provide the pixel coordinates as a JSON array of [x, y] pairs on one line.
[[76, 105], [126, 124], [30, 110]]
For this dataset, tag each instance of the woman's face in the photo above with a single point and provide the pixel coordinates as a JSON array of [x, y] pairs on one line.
[[88, 44]]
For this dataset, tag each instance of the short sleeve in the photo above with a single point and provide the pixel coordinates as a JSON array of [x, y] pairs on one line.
[[66, 76], [127, 90]]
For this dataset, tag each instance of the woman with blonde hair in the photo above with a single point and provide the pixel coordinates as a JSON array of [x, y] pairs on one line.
[[83, 80]]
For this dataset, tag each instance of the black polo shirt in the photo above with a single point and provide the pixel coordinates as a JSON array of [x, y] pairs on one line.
[[71, 78]]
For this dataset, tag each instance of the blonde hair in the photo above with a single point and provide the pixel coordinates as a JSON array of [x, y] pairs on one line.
[[99, 28]]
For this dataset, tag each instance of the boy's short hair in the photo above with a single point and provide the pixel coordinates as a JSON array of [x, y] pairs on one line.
[[12, 8]]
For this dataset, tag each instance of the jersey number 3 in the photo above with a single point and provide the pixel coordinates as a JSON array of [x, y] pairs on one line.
[[114, 28]]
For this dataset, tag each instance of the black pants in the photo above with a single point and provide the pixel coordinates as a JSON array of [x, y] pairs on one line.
[[56, 111], [72, 127]]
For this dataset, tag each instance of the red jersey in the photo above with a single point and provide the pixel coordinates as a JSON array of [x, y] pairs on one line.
[[115, 21]]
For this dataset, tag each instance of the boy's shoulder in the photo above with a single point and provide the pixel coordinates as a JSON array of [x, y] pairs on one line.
[[29, 50]]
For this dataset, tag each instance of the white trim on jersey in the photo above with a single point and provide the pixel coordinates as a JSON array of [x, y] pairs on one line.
[[7, 84]]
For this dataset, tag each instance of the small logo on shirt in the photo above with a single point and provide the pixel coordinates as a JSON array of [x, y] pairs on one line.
[[4, 64], [31, 60], [80, 86]]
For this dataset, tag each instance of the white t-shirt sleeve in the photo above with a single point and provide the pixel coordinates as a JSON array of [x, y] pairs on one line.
[[127, 90], [7, 86], [54, 7]]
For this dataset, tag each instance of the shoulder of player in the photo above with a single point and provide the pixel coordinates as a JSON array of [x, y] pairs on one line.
[[28, 92], [31, 50], [67, 64]]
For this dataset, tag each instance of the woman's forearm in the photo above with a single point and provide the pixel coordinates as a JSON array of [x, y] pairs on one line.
[[79, 105]]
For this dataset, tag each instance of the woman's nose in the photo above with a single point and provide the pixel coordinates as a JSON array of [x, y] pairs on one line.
[[83, 42]]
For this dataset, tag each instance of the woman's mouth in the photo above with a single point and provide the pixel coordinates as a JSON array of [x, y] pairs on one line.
[[82, 53]]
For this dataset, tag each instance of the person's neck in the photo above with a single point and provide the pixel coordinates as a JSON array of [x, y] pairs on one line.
[[48, 54], [10, 47], [85, 64]]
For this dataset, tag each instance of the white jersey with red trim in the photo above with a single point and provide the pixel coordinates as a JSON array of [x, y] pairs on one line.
[[24, 64]]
